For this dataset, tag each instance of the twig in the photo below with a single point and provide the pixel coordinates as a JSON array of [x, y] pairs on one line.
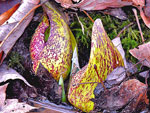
[[80, 23], [50, 106], [124, 29], [136, 64], [85, 83], [136, 73], [147, 74], [20, 23], [88, 16], [95, 67], [137, 20], [132, 67]]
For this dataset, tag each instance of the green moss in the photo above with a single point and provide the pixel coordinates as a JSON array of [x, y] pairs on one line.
[[77, 30], [15, 60], [128, 44], [130, 37]]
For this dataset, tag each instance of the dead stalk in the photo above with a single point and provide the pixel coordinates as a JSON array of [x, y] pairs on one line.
[[137, 20], [124, 29], [147, 74], [88, 16], [82, 27]]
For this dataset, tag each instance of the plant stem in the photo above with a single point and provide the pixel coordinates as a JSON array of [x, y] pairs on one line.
[[88, 16], [61, 83], [137, 20]]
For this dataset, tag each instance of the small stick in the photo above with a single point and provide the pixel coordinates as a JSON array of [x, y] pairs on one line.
[[147, 74], [140, 72], [137, 20], [132, 66], [85, 83], [124, 29], [88, 16], [80, 23], [95, 67], [20, 23]]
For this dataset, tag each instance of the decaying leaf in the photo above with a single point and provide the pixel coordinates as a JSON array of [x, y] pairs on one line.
[[105, 4], [6, 15], [137, 2], [6, 5], [144, 74], [142, 53], [145, 18], [13, 106], [128, 97], [113, 79], [7, 73], [147, 8], [51, 107], [116, 76], [2, 95], [24, 8], [116, 12], [65, 3], [55, 54], [105, 57], [100, 5], [117, 43]]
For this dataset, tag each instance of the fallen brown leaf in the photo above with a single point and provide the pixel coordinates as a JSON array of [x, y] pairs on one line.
[[142, 53], [13, 106], [6, 15], [117, 43], [2, 94], [100, 5], [116, 12], [116, 76], [65, 3], [9, 37], [145, 18], [7, 4], [125, 97], [7, 73]]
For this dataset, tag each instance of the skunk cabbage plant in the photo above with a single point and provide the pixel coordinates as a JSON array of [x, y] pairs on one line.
[[55, 53], [104, 57]]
